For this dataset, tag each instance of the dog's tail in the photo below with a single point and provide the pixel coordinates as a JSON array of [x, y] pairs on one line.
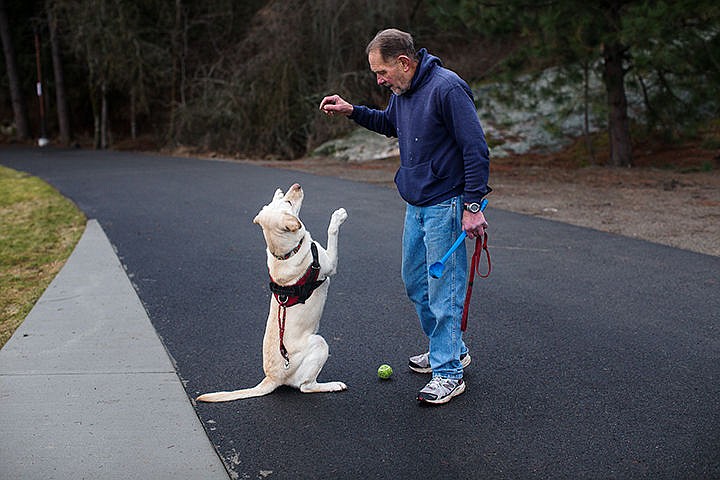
[[263, 388]]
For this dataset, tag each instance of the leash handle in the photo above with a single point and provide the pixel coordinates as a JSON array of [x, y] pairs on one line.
[[483, 249], [480, 247]]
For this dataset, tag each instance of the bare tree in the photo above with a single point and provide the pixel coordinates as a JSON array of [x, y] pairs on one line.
[[107, 37], [18, 100], [60, 93]]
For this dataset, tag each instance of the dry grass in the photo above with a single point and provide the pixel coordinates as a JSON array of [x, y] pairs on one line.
[[38, 230]]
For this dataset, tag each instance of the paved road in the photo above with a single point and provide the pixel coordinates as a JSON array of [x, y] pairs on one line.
[[594, 355]]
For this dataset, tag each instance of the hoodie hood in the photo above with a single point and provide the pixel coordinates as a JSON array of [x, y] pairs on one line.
[[426, 63]]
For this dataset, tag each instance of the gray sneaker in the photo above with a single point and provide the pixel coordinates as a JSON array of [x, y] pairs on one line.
[[441, 390], [421, 363]]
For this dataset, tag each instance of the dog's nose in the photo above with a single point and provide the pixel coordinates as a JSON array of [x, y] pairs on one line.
[[296, 187]]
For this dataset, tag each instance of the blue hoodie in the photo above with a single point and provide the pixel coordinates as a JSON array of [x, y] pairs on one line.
[[443, 152]]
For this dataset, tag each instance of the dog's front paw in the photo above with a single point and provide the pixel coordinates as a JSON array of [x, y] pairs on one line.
[[338, 217]]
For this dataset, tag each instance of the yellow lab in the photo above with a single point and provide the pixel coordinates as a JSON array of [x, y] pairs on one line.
[[293, 352]]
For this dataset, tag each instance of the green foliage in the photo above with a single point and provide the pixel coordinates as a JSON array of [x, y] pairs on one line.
[[672, 49], [676, 61]]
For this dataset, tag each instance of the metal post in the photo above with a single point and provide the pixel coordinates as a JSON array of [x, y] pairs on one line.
[[42, 141]]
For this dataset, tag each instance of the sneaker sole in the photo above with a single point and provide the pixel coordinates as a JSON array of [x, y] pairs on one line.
[[465, 361], [460, 389]]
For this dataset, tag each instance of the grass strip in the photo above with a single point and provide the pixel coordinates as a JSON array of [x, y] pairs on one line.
[[38, 230]]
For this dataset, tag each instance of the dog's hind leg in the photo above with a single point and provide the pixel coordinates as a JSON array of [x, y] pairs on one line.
[[317, 387], [266, 386], [311, 366]]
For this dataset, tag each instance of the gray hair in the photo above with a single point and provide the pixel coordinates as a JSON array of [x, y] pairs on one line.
[[391, 43]]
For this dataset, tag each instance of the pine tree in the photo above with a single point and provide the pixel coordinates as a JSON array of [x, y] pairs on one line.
[[666, 47]]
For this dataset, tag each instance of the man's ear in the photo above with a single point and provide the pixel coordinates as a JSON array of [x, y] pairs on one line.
[[291, 223], [404, 62]]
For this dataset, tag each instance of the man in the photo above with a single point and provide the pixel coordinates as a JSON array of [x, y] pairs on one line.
[[444, 165]]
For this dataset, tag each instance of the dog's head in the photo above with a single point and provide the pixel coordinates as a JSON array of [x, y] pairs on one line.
[[280, 220]]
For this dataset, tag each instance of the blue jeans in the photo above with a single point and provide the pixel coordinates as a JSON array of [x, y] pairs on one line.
[[428, 234]]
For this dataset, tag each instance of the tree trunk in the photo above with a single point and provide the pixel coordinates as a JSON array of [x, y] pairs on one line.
[[18, 101], [614, 77], [96, 130], [96, 118], [60, 93], [618, 123], [133, 115], [586, 112], [103, 117], [176, 53]]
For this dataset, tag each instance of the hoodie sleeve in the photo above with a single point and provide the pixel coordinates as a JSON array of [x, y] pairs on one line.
[[463, 124], [375, 120]]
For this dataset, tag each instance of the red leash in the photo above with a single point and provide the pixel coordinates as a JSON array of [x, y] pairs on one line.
[[480, 247]]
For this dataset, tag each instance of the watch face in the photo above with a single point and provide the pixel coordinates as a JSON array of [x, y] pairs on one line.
[[473, 207]]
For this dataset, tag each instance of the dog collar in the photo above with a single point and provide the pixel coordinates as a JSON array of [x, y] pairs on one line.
[[291, 252]]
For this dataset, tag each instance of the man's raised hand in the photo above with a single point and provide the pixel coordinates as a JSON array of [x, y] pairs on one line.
[[335, 104]]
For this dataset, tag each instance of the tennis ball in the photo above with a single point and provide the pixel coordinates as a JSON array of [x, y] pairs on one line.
[[385, 371]]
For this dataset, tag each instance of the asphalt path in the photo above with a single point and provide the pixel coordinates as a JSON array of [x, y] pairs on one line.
[[594, 355]]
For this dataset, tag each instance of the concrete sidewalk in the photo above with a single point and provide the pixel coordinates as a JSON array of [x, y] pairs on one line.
[[87, 389]]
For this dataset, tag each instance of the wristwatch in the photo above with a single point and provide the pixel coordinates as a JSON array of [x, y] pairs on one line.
[[472, 207]]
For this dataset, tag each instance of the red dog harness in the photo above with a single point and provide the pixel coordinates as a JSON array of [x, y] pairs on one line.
[[289, 295]]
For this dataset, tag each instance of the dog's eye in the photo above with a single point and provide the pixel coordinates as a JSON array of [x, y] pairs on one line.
[[288, 201]]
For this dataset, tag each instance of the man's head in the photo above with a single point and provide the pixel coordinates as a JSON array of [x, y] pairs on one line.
[[392, 59]]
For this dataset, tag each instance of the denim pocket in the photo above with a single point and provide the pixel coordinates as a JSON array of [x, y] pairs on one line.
[[449, 203]]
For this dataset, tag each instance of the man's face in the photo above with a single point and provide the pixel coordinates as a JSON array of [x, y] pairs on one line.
[[395, 74]]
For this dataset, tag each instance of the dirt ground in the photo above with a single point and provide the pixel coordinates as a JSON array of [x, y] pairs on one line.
[[679, 207]]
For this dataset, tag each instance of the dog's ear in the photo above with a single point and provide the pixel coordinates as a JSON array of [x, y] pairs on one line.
[[278, 194], [291, 223]]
